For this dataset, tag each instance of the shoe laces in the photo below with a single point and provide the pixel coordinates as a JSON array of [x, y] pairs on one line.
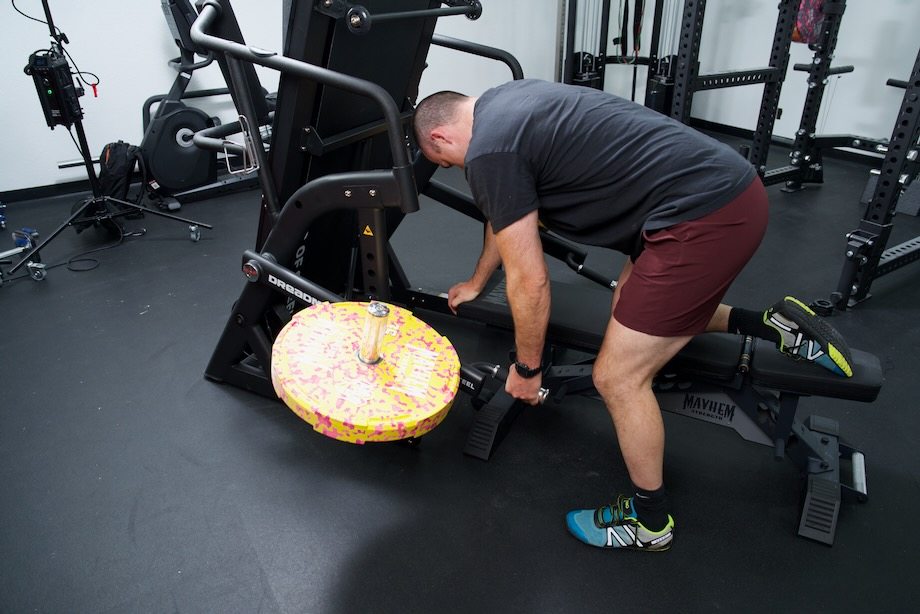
[[796, 331], [795, 349], [808, 344], [619, 512]]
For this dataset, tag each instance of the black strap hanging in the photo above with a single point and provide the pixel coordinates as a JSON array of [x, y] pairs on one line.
[[637, 38], [624, 29]]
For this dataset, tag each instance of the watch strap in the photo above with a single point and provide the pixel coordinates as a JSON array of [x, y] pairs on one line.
[[523, 370]]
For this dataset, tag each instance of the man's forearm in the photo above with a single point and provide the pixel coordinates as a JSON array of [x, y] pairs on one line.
[[529, 296], [489, 259]]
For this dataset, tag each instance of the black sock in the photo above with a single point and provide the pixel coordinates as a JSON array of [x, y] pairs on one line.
[[747, 322], [651, 508]]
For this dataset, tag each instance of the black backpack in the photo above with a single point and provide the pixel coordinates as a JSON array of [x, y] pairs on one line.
[[116, 167]]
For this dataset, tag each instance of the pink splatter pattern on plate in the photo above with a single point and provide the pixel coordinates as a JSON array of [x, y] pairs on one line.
[[317, 373]]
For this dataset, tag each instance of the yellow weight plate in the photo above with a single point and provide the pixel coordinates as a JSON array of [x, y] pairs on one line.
[[317, 373]]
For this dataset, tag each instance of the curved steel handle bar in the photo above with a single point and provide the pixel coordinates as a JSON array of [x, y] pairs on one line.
[[402, 168], [214, 139], [176, 64], [481, 50]]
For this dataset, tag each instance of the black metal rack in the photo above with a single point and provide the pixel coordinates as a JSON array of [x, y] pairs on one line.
[[866, 257], [688, 81], [673, 80], [583, 67], [589, 69], [806, 163]]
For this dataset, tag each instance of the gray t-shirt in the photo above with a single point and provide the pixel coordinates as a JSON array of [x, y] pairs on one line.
[[599, 168]]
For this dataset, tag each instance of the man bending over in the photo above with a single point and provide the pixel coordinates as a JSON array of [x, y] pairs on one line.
[[600, 170]]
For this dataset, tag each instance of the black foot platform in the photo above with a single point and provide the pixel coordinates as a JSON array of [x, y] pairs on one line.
[[492, 422]]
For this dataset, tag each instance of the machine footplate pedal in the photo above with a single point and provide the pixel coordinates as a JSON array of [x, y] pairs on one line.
[[820, 510], [491, 425]]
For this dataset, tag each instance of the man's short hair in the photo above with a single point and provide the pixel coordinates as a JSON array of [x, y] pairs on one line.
[[439, 109]]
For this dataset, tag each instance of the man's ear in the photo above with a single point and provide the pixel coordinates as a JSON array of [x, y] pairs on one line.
[[440, 135]]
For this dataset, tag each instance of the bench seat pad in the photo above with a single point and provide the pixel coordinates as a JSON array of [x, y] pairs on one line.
[[579, 318]]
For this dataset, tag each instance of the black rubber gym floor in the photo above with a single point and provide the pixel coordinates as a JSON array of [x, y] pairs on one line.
[[131, 484]]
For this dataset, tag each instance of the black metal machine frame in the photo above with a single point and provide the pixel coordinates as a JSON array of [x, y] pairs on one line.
[[240, 173], [179, 171], [672, 81], [583, 67], [305, 171]]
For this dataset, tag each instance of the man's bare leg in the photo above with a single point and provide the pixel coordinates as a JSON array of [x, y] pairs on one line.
[[623, 373], [719, 321]]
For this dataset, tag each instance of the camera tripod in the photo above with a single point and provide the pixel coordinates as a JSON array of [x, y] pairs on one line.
[[59, 99]]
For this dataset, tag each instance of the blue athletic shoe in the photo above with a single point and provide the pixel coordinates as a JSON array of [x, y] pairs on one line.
[[616, 526]]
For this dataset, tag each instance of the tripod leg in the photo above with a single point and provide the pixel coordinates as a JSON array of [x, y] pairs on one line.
[[137, 207], [35, 250]]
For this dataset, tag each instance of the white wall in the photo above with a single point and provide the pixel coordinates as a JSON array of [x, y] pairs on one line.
[[525, 28], [126, 42], [878, 38]]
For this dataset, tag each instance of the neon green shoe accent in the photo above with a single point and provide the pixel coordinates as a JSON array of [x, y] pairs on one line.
[[616, 526], [839, 360], [804, 307]]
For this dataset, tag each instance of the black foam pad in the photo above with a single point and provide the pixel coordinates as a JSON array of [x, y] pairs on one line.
[[579, 318], [773, 369]]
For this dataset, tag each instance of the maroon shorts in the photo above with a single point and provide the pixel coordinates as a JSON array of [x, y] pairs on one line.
[[684, 271]]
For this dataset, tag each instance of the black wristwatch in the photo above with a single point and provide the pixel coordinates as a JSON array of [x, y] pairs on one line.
[[522, 369]]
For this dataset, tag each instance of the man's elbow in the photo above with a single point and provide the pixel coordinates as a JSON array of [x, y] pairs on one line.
[[533, 281], [540, 280]]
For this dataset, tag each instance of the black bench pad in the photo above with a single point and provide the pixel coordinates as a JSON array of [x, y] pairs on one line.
[[773, 369], [579, 313], [579, 318], [713, 356]]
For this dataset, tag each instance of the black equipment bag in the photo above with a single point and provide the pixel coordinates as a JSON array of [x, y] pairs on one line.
[[116, 167]]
